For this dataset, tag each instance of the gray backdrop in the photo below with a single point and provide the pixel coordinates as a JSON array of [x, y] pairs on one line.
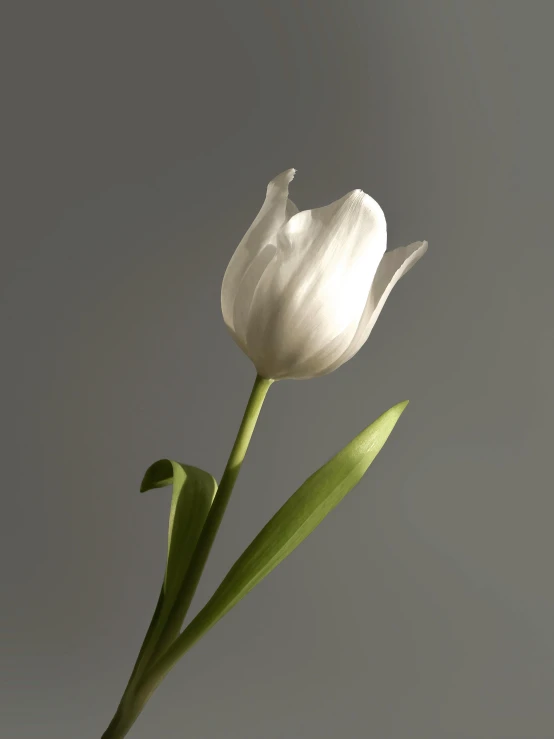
[[139, 138]]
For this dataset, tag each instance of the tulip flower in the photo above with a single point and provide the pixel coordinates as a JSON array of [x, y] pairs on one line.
[[300, 296], [303, 290]]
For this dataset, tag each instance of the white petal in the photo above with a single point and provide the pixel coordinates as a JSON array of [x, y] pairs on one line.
[[291, 210], [317, 363], [246, 290], [275, 211], [393, 266], [320, 280]]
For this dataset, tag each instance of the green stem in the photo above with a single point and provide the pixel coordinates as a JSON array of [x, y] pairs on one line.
[[148, 643], [157, 670], [135, 695], [145, 653], [174, 623]]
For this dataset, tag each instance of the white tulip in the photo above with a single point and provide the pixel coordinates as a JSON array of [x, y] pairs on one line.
[[303, 290]]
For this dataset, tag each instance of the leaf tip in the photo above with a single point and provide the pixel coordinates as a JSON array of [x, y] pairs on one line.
[[158, 475], [396, 411]]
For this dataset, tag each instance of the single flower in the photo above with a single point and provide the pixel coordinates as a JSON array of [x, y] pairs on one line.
[[304, 289]]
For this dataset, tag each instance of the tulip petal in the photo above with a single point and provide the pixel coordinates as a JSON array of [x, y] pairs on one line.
[[246, 290], [290, 210], [320, 279], [393, 266], [275, 211]]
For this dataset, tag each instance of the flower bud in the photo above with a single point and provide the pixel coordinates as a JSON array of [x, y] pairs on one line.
[[303, 289]]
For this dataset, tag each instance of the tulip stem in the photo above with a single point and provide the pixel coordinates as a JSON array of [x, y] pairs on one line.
[[215, 516], [139, 690]]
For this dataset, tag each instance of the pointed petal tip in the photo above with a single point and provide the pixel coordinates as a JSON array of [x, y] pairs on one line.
[[417, 250], [283, 179]]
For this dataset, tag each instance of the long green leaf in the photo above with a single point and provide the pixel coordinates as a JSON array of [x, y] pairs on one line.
[[193, 493], [292, 523]]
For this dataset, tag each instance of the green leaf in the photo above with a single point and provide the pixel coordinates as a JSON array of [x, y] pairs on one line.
[[292, 523], [193, 493]]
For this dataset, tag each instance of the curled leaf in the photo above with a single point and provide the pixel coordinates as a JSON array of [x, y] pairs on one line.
[[193, 493]]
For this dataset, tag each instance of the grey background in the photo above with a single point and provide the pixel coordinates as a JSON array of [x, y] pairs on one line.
[[137, 142]]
